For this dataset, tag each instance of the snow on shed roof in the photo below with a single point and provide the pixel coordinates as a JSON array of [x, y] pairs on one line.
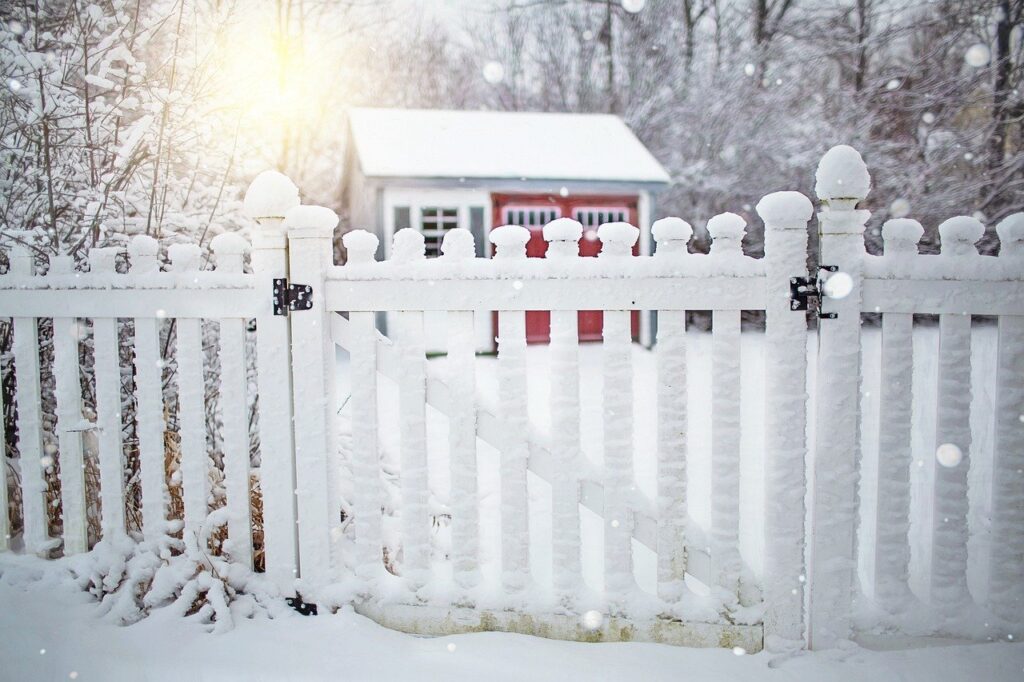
[[420, 143]]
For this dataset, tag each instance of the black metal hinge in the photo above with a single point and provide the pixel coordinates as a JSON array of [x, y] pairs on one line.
[[802, 289], [288, 296]]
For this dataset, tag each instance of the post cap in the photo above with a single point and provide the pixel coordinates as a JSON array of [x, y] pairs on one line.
[[1011, 229], [563, 230], [842, 174], [780, 208], [671, 229], [270, 195], [229, 244], [458, 244], [964, 230], [902, 230], [143, 245], [319, 218]]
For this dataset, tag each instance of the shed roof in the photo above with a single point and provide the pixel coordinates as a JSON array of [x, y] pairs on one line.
[[421, 143]]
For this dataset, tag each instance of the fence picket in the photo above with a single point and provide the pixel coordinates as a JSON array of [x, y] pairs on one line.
[[510, 241], [68, 395], [947, 588], [5, 521], [563, 236], [195, 461], [1006, 590], [107, 368], [229, 249], [28, 399], [149, 409], [672, 236], [463, 499], [727, 232], [617, 241]]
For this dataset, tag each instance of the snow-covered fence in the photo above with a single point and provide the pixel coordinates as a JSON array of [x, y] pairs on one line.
[[330, 500]]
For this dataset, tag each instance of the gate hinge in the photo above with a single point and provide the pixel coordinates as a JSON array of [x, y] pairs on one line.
[[288, 296], [801, 289]]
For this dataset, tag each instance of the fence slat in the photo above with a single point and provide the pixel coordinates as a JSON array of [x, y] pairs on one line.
[[30, 445], [108, 424], [515, 449], [948, 567], [563, 236], [5, 521], [725, 450], [413, 449], [69, 433], [236, 439], [672, 421], [143, 251], [365, 454], [892, 507], [463, 499]]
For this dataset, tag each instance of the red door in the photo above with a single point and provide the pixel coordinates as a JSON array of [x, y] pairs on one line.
[[534, 211]]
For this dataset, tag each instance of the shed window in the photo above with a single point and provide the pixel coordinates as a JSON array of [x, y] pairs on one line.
[[434, 222], [597, 216]]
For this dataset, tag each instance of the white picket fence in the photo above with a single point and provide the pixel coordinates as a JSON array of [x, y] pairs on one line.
[[808, 588]]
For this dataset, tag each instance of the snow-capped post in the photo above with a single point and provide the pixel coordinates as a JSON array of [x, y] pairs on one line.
[[1006, 592], [408, 248], [785, 216], [617, 240], [229, 250], [143, 251], [891, 589], [842, 182], [510, 243], [563, 236], [267, 200], [458, 247], [195, 462], [672, 236], [68, 394], [947, 589], [727, 233], [310, 252], [30, 420], [108, 406], [367, 493]]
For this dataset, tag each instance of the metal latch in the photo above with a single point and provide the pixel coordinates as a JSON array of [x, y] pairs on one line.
[[802, 289], [288, 296]]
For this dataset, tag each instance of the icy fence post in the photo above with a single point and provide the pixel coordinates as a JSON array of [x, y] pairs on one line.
[[463, 500], [409, 247], [229, 251], [68, 393], [947, 587], [510, 242], [617, 240], [367, 490], [563, 236], [672, 236], [108, 407], [267, 200], [891, 589], [785, 216], [143, 254], [310, 229], [842, 182], [726, 231], [195, 460], [1006, 588], [30, 421]]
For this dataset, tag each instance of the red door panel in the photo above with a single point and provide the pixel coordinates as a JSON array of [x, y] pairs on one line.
[[538, 323]]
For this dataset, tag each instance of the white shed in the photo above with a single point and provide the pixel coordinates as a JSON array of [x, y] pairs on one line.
[[436, 170]]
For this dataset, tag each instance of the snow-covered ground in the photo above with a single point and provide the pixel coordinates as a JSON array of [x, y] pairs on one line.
[[51, 631]]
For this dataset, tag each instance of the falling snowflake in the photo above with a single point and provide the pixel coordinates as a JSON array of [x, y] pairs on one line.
[[893, 84], [494, 72], [633, 6], [928, 117], [451, 646], [839, 285], [978, 55], [160, 313], [592, 620], [517, 285], [949, 455], [739, 651], [899, 208], [749, 69], [564, 191], [14, 85]]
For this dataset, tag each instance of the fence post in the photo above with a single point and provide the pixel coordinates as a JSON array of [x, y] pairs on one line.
[[785, 216], [267, 200], [842, 181], [309, 253]]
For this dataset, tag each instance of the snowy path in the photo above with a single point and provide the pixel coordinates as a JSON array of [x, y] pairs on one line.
[[59, 620]]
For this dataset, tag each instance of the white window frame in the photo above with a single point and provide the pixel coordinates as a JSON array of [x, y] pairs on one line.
[[509, 217]]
